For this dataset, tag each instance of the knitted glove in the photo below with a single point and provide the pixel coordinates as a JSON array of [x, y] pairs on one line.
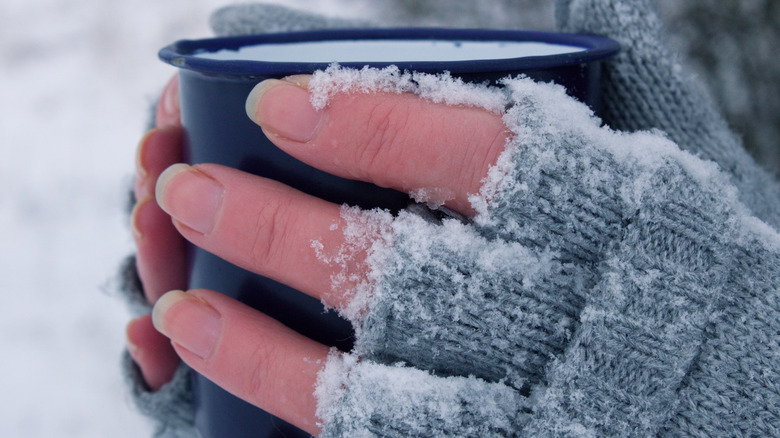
[[660, 230], [535, 348], [646, 88]]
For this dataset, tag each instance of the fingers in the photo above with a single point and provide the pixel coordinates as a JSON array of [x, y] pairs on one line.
[[160, 256], [159, 148], [168, 107], [256, 223], [391, 140], [247, 353], [161, 250], [152, 352]]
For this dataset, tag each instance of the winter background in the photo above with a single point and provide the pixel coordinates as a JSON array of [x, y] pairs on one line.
[[77, 78]]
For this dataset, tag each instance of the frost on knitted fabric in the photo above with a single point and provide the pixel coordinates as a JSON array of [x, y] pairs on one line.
[[399, 401], [459, 299]]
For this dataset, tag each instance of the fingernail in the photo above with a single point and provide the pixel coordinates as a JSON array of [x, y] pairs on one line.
[[188, 321], [140, 168], [137, 233], [190, 196], [132, 347], [170, 99], [283, 109]]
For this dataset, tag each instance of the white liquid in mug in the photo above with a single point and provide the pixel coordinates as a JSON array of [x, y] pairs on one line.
[[389, 51]]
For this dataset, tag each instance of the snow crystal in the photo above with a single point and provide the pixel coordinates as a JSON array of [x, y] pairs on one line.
[[411, 398], [441, 88], [367, 234]]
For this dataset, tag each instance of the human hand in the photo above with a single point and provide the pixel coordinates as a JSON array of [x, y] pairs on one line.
[[381, 130], [173, 307]]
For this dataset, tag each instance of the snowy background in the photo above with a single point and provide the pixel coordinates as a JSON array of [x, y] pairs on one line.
[[76, 81]]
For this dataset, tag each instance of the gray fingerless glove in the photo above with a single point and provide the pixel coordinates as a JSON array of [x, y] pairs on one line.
[[670, 249], [675, 248], [646, 88]]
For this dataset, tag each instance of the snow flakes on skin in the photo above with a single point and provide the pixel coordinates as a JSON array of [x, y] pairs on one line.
[[367, 235], [442, 88]]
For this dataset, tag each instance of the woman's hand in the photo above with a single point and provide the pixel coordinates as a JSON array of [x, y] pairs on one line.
[[392, 140]]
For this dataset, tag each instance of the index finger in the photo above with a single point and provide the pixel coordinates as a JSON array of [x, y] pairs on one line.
[[439, 153]]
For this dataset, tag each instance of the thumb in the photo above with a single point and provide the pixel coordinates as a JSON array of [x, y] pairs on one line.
[[645, 86]]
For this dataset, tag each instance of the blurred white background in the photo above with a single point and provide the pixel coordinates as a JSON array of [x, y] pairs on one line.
[[76, 81]]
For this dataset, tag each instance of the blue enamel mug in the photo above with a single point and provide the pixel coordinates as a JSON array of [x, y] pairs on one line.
[[216, 76]]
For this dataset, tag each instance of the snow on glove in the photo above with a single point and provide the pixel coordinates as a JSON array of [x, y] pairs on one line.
[[565, 196], [670, 246], [646, 88]]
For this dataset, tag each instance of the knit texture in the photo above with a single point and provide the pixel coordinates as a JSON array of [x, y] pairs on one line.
[[254, 18], [646, 88], [170, 408], [581, 359]]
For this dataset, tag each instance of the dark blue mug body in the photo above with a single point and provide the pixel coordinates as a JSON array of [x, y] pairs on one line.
[[217, 130]]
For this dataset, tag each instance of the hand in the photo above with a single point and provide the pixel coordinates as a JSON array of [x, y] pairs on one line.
[[283, 201], [216, 208]]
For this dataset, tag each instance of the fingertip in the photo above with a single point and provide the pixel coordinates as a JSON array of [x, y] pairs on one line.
[[256, 95], [169, 107], [284, 109], [163, 305], [164, 180], [151, 351], [136, 222], [158, 149]]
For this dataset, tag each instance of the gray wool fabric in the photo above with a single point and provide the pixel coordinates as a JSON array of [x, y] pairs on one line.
[[615, 284], [681, 272]]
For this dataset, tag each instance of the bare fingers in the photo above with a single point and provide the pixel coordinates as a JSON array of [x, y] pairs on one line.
[[152, 352], [401, 141], [245, 352], [160, 248], [256, 223]]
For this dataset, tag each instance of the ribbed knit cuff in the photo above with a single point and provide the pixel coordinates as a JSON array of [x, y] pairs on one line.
[[364, 399], [170, 407]]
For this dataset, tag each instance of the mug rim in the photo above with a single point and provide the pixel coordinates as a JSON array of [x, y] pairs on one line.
[[183, 53]]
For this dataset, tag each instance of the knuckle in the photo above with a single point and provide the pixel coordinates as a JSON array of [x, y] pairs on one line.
[[272, 225], [386, 126], [258, 374]]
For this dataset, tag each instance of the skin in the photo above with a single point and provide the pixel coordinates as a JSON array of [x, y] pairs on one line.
[[361, 136]]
